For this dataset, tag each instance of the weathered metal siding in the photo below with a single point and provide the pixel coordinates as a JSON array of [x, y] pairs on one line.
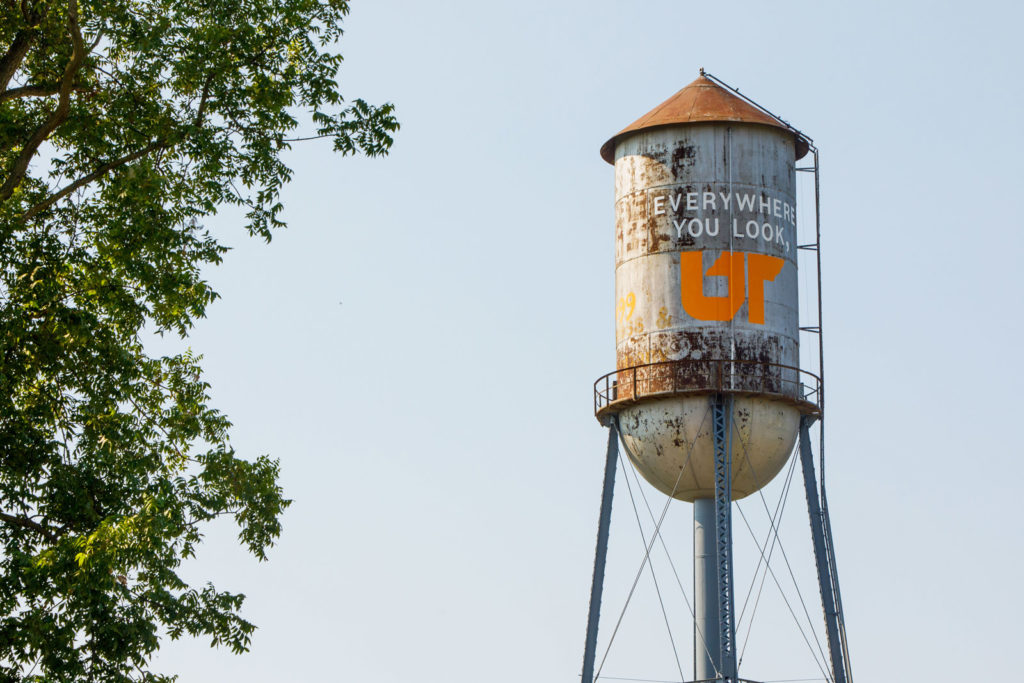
[[706, 270], [670, 442], [709, 189]]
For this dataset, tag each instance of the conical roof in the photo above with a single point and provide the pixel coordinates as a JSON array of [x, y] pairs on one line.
[[702, 101]]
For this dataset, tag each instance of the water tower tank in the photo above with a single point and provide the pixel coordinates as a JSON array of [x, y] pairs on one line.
[[706, 291]]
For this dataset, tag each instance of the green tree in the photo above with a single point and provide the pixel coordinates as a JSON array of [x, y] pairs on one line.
[[122, 124]]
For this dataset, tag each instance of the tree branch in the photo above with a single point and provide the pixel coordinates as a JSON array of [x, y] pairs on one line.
[[311, 137], [99, 37], [10, 62], [34, 91], [34, 14], [23, 39], [95, 175], [59, 115], [116, 163], [29, 91], [201, 109], [26, 523]]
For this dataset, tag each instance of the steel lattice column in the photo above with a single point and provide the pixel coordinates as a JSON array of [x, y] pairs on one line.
[[826, 570], [723, 535], [603, 525]]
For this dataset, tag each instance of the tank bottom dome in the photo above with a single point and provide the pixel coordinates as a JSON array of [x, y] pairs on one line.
[[671, 443]]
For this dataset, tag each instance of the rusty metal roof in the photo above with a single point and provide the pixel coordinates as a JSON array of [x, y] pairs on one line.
[[702, 101]]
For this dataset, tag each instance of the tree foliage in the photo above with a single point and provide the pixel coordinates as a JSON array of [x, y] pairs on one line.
[[122, 124]]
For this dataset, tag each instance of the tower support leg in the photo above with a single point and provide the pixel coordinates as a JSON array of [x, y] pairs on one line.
[[827, 579], [604, 522]]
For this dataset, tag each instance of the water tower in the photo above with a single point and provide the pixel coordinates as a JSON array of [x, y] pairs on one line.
[[708, 397]]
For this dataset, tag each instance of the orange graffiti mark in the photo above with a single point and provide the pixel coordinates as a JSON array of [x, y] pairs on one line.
[[624, 310], [691, 270], [730, 264], [761, 268]]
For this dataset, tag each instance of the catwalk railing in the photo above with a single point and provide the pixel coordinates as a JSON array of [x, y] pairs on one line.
[[700, 376]]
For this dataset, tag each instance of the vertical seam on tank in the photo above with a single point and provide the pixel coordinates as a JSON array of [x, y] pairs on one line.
[[732, 322]]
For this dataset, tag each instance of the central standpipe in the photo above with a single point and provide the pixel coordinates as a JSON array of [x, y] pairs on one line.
[[706, 647]]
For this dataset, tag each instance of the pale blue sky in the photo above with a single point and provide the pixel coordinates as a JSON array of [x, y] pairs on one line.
[[419, 347]]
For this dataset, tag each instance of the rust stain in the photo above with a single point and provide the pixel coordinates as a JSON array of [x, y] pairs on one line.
[[702, 101], [683, 158], [664, 318]]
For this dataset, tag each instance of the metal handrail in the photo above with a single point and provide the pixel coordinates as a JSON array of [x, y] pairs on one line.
[[721, 375]]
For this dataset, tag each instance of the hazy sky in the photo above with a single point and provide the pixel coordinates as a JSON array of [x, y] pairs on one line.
[[419, 347]]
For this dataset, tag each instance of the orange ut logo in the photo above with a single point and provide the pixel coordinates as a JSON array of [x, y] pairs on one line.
[[760, 269]]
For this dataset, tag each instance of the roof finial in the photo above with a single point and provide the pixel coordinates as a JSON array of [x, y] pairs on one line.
[[702, 71]]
